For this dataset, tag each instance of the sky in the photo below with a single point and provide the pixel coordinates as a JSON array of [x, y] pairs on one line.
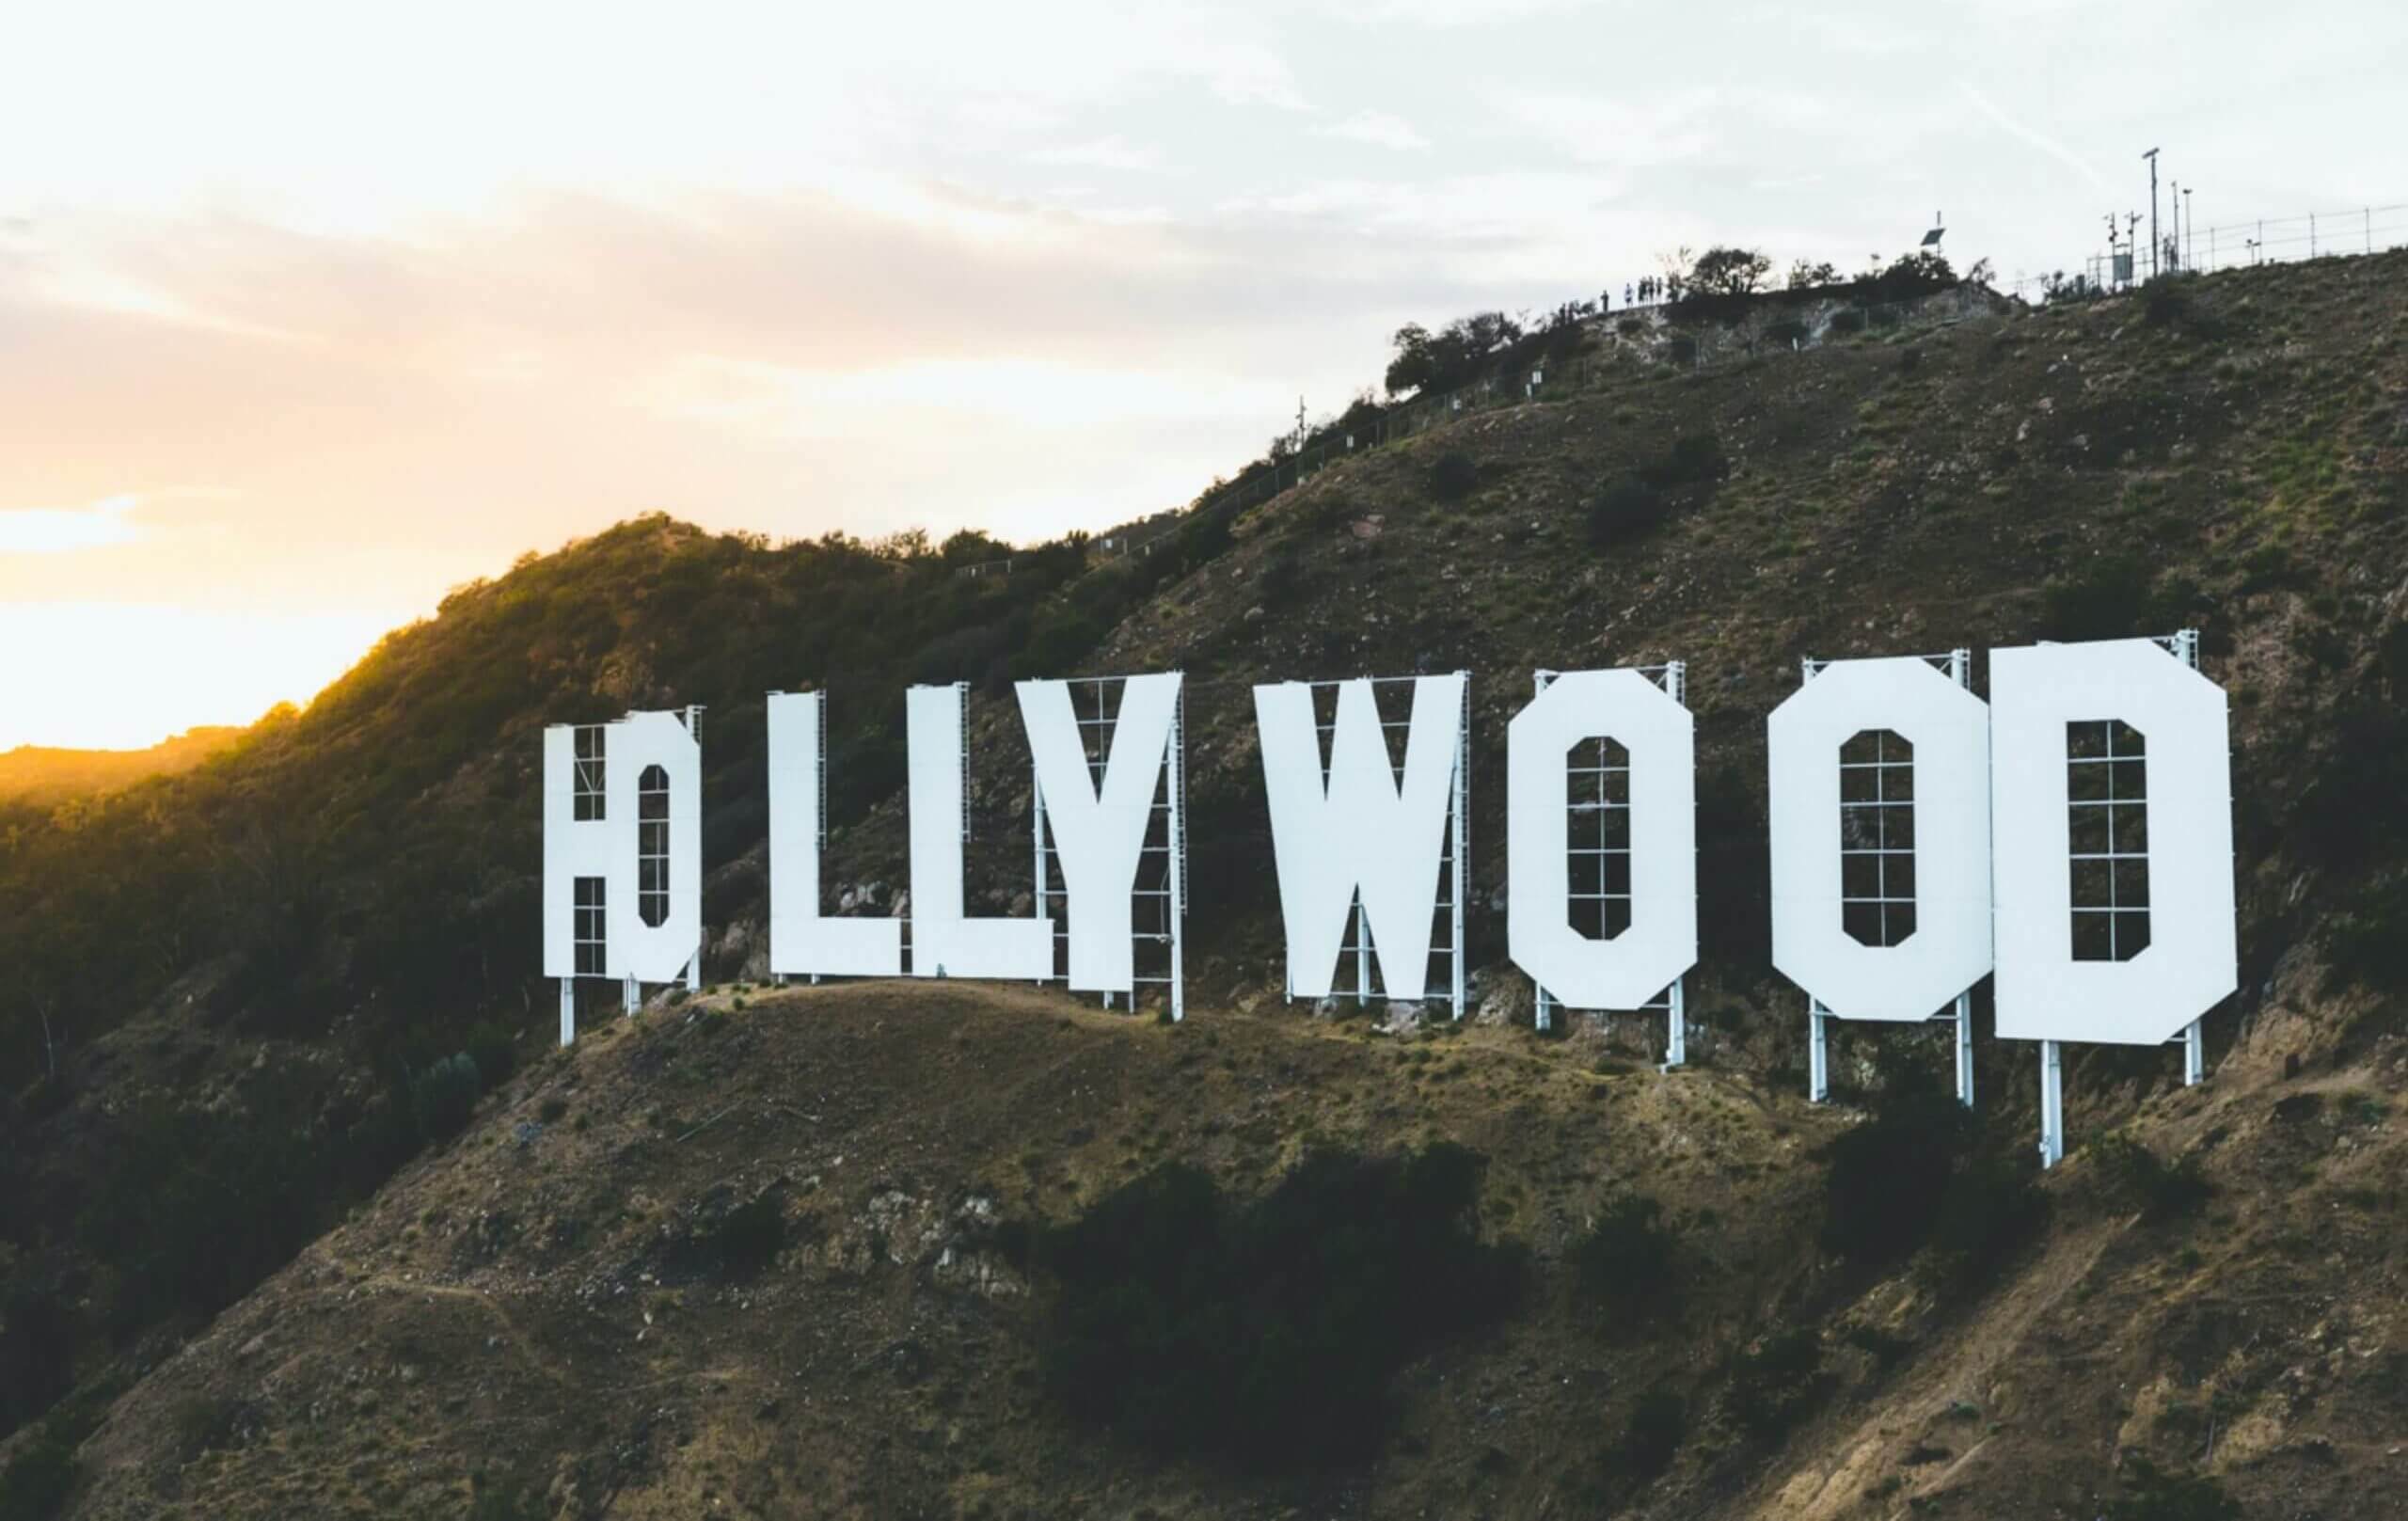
[[308, 315]]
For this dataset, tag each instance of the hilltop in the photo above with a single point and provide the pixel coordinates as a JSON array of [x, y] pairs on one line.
[[47, 775], [257, 972]]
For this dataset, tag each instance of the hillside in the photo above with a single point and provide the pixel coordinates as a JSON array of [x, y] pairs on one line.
[[46, 775], [252, 972]]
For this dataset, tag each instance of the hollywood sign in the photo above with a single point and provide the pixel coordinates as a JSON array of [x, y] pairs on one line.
[[2070, 838]]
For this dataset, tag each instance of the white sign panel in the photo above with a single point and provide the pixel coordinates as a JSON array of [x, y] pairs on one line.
[[623, 824], [1660, 942], [1099, 835], [802, 943], [2111, 782], [1359, 831], [1947, 871], [945, 942]]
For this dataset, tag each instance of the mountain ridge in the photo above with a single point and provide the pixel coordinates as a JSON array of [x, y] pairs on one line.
[[273, 955]]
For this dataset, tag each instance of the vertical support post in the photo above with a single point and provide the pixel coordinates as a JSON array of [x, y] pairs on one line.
[[2052, 1104], [1461, 826], [1676, 1043], [695, 727], [631, 994], [1818, 1053], [2194, 1046], [1543, 1002], [568, 1011], [1037, 841], [1362, 954], [1176, 838], [1965, 1049]]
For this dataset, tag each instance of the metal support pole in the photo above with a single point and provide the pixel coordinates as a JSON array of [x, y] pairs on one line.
[[1362, 953], [1542, 1011], [1037, 845], [632, 993], [694, 972], [1177, 826], [1676, 1045], [1818, 1053], [1459, 828], [568, 1011], [2194, 1053], [1965, 1050], [2052, 1104]]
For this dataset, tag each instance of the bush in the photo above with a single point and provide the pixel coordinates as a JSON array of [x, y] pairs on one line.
[[2153, 1495], [2134, 1176], [749, 1237], [1694, 459], [1453, 477], [1915, 1175], [1627, 1260], [1652, 1438], [1776, 1384], [36, 1355], [1787, 330], [1625, 510], [444, 1096], [1265, 1332], [2105, 598], [1682, 349], [35, 1484], [1847, 320]]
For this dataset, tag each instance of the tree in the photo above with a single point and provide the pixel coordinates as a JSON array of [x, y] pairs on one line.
[[1414, 365], [1729, 271], [1805, 276]]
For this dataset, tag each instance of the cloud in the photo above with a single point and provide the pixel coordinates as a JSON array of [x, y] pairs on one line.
[[1379, 129], [1629, 132], [1101, 153], [53, 530], [2017, 130]]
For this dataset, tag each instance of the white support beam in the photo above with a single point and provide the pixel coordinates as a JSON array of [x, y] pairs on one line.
[[1965, 1049], [2052, 1103], [1676, 1043], [1818, 1053], [568, 1011]]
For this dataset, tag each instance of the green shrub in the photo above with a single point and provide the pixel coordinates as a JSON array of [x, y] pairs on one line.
[[1627, 509], [1453, 476], [1778, 1384], [1627, 1261], [2153, 1495], [1652, 1438], [1915, 1175], [1847, 320], [1787, 330], [1682, 349], [444, 1096], [1265, 1334], [2135, 1176], [35, 1484], [749, 1237]]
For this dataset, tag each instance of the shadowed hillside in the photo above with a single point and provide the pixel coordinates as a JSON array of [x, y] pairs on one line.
[[270, 981]]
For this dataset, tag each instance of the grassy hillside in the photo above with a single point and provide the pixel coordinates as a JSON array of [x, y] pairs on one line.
[[253, 977], [46, 776]]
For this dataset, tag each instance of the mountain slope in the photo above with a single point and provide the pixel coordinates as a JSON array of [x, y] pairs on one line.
[[264, 960]]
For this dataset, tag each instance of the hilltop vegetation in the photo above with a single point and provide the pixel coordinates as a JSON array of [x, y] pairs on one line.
[[46, 776], [269, 981]]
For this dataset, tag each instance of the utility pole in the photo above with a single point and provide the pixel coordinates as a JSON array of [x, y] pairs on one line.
[[2132, 242], [2173, 241], [2191, 229], [2151, 156]]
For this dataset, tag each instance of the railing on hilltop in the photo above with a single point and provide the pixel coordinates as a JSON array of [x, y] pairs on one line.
[[2274, 240]]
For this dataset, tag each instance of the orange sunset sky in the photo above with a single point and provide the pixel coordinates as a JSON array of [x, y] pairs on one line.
[[308, 313]]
